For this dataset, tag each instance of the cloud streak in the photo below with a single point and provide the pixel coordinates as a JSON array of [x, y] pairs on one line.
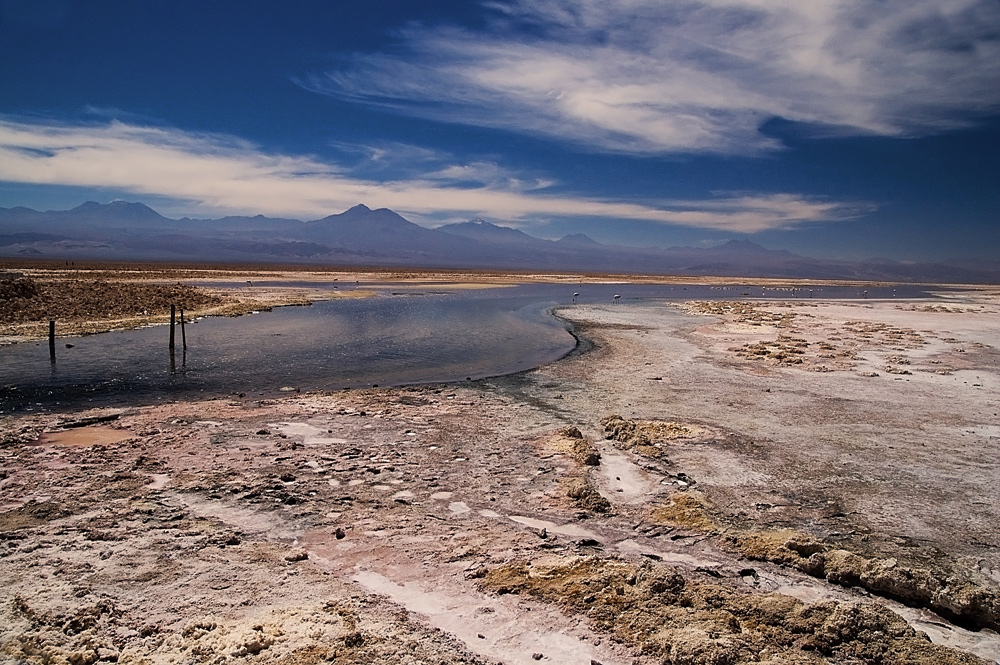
[[696, 76], [222, 174]]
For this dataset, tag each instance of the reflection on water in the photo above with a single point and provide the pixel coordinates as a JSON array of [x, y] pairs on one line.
[[388, 340]]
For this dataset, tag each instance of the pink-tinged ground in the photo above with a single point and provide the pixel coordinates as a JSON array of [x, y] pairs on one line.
[[465, 523]]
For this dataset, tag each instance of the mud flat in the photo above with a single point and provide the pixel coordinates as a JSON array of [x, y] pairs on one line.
[[725, 482]]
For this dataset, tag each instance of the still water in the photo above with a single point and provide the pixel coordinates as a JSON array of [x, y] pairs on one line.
[[398, 337]]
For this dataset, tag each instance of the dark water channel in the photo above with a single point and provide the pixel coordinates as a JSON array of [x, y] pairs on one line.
[[402, 336]]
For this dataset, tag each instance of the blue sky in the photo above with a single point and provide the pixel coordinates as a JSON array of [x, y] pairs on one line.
[[831, 128]]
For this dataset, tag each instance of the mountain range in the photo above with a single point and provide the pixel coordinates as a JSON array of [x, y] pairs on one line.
[[361, 236]]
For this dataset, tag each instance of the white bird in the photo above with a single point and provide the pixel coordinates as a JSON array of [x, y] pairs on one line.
[[617, 297]]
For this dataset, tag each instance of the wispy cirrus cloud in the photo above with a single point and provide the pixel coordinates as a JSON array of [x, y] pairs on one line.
[[395, 160], [656, 76], [390, 156], [215, 173]]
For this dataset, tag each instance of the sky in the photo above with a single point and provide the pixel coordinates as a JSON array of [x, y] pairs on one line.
[[831, 128]]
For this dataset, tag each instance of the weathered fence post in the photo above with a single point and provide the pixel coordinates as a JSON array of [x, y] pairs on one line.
[[173, 316], [184, 341]]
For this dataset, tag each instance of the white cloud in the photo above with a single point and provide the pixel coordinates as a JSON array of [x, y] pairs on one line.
[[653, 76], [222, 174], [390, 156], [486, 174], [394, 160]]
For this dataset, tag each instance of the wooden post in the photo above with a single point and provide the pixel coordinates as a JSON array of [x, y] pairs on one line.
[[173, 315], [184, 341], [52, 341]]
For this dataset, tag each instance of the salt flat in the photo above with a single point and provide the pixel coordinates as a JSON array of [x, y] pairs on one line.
[[839, 453]]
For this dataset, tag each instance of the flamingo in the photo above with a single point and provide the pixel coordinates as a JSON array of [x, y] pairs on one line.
[[575, 296], [617, 298]]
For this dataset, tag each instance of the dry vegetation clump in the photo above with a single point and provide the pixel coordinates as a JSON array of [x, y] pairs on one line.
[[742, 312], [336, 633], [960, 600], [33, 513], [936, 308], [655, 609], [578, 486], [646, 437], [571, 442], [74, 636], [688, 510], [785, 350], [24, 300], [873, 332], [786, 547], [580, 489]]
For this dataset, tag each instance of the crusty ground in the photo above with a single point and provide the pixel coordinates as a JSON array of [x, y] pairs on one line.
[[461, 523]]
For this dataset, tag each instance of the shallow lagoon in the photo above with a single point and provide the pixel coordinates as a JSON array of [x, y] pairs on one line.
[[402, 336]]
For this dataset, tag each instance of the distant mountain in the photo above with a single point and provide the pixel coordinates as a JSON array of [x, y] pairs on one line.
[[86, 220], [579, 240], [28, 238], [236, 250], [973, 264], [17, 214], [242, 225], [480, 229], [120, 210], [361, 236], [382, 232], [745, 249]]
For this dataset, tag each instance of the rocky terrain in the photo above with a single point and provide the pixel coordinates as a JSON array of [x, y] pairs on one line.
[[663, 496]]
